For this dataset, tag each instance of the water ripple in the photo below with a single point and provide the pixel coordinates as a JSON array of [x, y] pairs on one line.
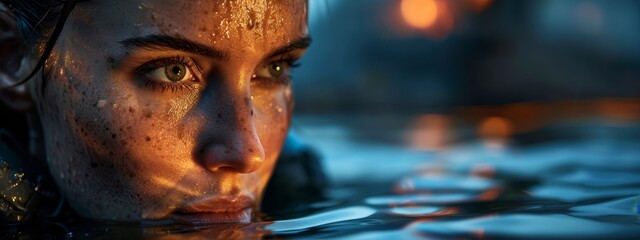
[[303, 223], [412, 199]]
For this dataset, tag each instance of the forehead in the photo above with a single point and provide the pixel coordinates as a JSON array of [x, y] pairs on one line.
[[224, 23]]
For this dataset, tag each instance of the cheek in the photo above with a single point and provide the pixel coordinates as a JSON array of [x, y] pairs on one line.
[[78, 133], [272, 115]]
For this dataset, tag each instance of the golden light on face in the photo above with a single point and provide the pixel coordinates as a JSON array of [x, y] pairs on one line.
[[165, 110], [419, 13]]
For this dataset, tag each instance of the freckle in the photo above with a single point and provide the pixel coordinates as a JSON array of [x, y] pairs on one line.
[[250, 150], [219, 115], [131, 110], [247, 101], [251, 112], [113, 136], [148, 139]]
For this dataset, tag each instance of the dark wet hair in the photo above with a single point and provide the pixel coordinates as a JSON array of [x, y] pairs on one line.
[[40, 23]]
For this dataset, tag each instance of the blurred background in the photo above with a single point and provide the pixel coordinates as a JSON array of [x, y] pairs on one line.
[[408, 56], [402, 79]]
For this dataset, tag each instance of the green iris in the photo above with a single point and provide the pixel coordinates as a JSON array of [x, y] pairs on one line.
[[276, 70], [175, 72]]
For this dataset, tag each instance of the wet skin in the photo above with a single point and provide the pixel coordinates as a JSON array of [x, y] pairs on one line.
[[169, 109]]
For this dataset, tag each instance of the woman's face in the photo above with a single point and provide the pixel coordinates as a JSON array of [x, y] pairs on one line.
[[170, 109]]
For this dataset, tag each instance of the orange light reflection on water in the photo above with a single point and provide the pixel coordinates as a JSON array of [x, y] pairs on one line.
[[430, 132], [495, 131]]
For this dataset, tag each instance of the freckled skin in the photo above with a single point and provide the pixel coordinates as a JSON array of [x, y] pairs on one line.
[[121, 151]]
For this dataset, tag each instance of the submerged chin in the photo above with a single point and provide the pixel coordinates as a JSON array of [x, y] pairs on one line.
[[242, 216]]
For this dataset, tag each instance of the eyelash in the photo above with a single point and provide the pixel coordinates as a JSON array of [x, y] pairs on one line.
[[146, 68], [291, 62]]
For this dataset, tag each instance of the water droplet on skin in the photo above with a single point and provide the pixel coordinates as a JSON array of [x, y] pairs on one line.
[[101, 104], [251, 23], [17, 177]]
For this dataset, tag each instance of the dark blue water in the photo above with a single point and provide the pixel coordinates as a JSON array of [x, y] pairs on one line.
[[574, 180]]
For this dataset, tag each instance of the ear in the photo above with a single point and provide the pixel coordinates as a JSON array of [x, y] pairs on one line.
[[14, 62]]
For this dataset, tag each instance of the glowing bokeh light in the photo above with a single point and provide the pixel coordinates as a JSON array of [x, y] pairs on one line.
[[479, 5], [430, 132], [495, 132], [495, 127], [419, 13]]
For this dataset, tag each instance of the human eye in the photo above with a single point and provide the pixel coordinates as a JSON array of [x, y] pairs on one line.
[[171, 74], [277, 71]]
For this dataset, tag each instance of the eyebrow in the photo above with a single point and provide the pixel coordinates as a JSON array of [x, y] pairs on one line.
[[182, 44], [301, 43], [175, 43]]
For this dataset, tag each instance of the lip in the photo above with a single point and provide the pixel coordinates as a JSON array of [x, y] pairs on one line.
[[236, 209]]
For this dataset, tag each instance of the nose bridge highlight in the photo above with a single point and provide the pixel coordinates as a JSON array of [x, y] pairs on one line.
[[233, 143]]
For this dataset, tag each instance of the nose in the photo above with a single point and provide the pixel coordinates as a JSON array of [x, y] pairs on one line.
[[231, 142], [241, 155]]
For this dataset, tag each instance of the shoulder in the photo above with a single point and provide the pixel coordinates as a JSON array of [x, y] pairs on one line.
[[298, 178]]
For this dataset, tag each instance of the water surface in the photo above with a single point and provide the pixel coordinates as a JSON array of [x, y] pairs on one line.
[[582, 187]]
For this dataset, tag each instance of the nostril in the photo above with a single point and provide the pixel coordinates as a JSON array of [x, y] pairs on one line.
[[218, 157]]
